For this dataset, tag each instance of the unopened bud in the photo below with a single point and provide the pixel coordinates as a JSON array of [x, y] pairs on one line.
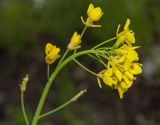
[[24, 83], [79, 95]]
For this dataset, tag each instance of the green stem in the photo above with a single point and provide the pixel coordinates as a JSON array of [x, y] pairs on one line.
[[49, 83], [83, 31], [23, 109], [75, 51], [73, 99], [103, 55], [85, 68], [63, 57], [85, 28], [104, 42], [48, 67], [96, 59], [105, 48], [99, 60]]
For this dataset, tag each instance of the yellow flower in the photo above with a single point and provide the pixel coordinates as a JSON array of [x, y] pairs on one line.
[[109, 81], [117, 79], [127, 54], [109, 78], [122, 68], [125, 48], [52, 53], [132, 56], [94, 13], [108, 72], [135, 69], [74, 42], [125, 36]]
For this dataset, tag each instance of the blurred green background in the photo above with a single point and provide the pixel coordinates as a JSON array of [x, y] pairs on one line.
[[27, 25]]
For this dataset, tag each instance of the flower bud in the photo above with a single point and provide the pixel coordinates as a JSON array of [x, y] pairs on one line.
[[74, 42], [94, 13], [52, 53], [24, 83]]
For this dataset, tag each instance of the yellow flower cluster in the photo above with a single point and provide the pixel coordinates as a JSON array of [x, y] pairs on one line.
[[125, 36], [74, 42], [94, 14], [122, 65], [52, 53]]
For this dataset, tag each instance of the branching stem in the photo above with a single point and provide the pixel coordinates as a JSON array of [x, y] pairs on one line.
[[85, 68], [104, 42], [49, 83], [73, 99]]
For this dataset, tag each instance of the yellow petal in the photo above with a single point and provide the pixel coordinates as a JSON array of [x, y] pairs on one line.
[[126, 26], [108, 81], [49, 60], [127, 65], [118, 74], [130, 37], [115, 86], [121, 91], [124, 85], [122, 59], [91, 7], [48, 48], [132, 56], [129, 75], [127, 81], [54, 54], [94, 14], [115, 80], [108, 72], [135, 69]]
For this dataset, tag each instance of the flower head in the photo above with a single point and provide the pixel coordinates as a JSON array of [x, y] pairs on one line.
[[120, 79], [122, 69], [94, 14], [52, 53], [126, 35], [74, 42], [128, 52]]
